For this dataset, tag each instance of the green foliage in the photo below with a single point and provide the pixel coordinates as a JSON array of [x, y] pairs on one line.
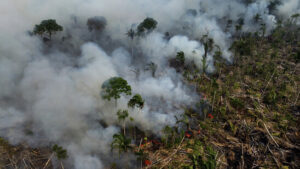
[[208, 47], [148, 24], [204, 65], [137, 101], [208, 44], [202, 158], [60, 152], [180, 57], [172, 136], [122, 114], [114, 87], [168, 136], [210, 161], [120, 142], [47, 26]]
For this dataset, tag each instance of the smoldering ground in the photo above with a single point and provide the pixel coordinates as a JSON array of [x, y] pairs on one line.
[[52, 88]]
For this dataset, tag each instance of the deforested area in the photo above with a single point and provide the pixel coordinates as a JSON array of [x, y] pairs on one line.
[[160, 84]]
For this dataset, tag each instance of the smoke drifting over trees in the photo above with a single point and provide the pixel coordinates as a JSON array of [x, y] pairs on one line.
[[53, 88]]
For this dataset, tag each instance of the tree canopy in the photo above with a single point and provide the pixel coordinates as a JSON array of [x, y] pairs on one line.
[[180, 57], [47, 26], [120, 142], [137, 101], [122, 114], [114, 87], [147, 25]]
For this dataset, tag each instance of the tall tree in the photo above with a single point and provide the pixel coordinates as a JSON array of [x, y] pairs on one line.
[[208, 47], [120, 142], [148, 25], [122, 115], [114, 87], [137, 101], [47, 26]]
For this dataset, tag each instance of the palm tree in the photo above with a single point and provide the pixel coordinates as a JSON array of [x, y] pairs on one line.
[[121, 142]]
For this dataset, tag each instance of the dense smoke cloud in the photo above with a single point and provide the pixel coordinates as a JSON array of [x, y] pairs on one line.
[[53, 88]]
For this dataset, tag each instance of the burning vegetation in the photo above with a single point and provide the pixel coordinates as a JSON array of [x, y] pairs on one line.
[[192, 86]]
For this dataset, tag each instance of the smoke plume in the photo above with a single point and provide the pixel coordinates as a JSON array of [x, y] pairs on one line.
[[52, 88]]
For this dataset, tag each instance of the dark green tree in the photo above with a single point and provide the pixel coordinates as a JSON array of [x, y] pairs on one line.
[[114, 87], [60, 152], [180, 57], [47, 26], [208, 47], [137, 101], [148, 25], [122, 115], [120, 142]]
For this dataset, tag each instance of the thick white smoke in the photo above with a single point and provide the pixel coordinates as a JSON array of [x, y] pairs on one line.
[[53, 88]]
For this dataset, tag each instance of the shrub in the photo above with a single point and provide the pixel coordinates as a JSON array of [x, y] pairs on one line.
[[60, 152]]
